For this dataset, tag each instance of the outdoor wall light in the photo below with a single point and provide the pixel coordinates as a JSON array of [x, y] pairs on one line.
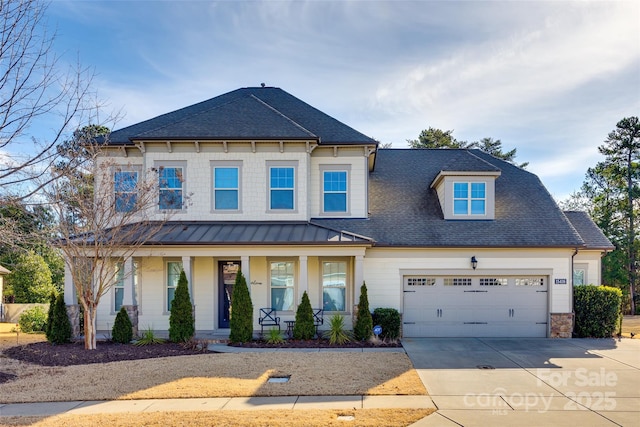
[[474, 262]]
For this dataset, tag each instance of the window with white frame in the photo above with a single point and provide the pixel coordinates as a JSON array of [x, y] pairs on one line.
[[125, 192], [174, 268], [579, 275], [282, 285], [282, 186], [118, 287], [469, 198], [334, 285], [334, 191], [171, 181], [226, 186]]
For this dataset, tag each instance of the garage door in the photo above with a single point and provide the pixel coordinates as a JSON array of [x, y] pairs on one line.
[[502, 306]]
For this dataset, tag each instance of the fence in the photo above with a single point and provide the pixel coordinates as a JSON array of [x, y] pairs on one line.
[[10, 313]]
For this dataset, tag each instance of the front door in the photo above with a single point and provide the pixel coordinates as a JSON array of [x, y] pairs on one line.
[[227, 271]]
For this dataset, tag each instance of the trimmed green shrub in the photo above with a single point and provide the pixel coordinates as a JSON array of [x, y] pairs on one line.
[[33, 320], [181, 327], [597, 310], [336, 333], [363, 328], [304, 329], [241, 322], [52, 304], [389, 319], [122, 330], [59, 331]]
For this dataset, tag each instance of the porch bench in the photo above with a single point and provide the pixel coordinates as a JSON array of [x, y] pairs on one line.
[[268, 317]]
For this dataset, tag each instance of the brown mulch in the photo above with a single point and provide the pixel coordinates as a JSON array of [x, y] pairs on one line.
[[46, 354], [317, 343]]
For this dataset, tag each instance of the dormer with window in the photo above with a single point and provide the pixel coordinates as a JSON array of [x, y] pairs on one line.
[[466, 188]]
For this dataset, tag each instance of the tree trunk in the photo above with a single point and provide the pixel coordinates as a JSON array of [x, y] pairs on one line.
[[90, 327], [632, 233]]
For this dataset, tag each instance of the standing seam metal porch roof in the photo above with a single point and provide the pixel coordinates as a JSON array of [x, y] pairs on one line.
[[214, 233]]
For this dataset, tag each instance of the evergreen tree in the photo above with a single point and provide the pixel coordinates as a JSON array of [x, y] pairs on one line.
[[60, 331], [181, 326], [364, 322], [304, 328], [122, 330], [50, 317], [241, 322]]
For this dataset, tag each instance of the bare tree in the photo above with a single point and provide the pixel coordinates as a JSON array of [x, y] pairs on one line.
[[107, 225], [35, 90]]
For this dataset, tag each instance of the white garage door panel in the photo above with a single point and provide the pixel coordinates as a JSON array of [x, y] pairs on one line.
[[471, 307]]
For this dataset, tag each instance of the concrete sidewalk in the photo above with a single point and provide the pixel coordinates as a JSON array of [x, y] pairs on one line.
[[215, 404]]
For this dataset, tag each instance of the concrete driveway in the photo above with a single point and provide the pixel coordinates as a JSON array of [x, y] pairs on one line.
[[529, 381]]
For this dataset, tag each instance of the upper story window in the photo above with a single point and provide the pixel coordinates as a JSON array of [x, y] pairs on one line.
[[469, 198], [226, 186], [334, 191], [171, 181], [282, 186], [126, 195]]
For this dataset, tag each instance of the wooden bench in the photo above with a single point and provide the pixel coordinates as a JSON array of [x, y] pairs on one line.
[[268, 317]]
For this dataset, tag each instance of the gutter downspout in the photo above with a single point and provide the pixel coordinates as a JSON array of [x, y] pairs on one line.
[[575, 252]]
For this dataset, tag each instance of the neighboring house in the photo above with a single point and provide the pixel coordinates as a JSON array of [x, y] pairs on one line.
[[461, 243]]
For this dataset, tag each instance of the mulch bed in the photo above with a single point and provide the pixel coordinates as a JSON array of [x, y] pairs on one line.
[[46, 354], [318, 343]]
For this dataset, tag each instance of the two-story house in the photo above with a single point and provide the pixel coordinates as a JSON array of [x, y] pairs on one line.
[[461, 243]]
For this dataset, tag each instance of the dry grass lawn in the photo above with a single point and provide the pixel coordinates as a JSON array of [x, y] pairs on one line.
[[631, 324]]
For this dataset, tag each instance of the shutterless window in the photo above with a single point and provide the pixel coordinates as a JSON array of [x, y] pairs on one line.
[[334, 285], [118, 287], [126, 196], [579, 275], [469, 198], [226, 184], [282, 285], [281, 188], [174, 268], [335, 191], [171, 181]]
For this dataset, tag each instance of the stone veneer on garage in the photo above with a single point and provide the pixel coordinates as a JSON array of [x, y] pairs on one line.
[[561, 325]]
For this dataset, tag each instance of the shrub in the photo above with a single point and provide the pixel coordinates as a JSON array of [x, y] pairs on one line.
[[274, 336], [241, 322], [52, 304], [597, 310], [59, 331], [336, 333], [389, 319], [304, 329], [122, 330], [149, 338], [364, 322], [33, 320], [181, 326]]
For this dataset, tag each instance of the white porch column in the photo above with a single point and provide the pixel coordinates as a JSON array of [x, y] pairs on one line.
[[358, 278], [129, 281], [186, 266], [69, 290], [304, 275], [244, 266]]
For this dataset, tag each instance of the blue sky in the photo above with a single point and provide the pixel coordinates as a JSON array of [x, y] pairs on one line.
[[550, 78]]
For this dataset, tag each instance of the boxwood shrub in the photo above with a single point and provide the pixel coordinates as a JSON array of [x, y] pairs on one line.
[[597, 310], [389, 319]]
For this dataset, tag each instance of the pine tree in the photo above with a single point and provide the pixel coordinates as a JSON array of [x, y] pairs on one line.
[[304, 328], [181, 326], [60, 326], [122, 330], [241, 322], [364, 322], [52, 305]]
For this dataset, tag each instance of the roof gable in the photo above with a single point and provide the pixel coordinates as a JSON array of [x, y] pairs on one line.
[[593, 237], [247, 113]]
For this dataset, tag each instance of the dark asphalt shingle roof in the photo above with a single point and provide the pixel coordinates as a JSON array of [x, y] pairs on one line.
[[405, 211], [258, 113], [588, 230]]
